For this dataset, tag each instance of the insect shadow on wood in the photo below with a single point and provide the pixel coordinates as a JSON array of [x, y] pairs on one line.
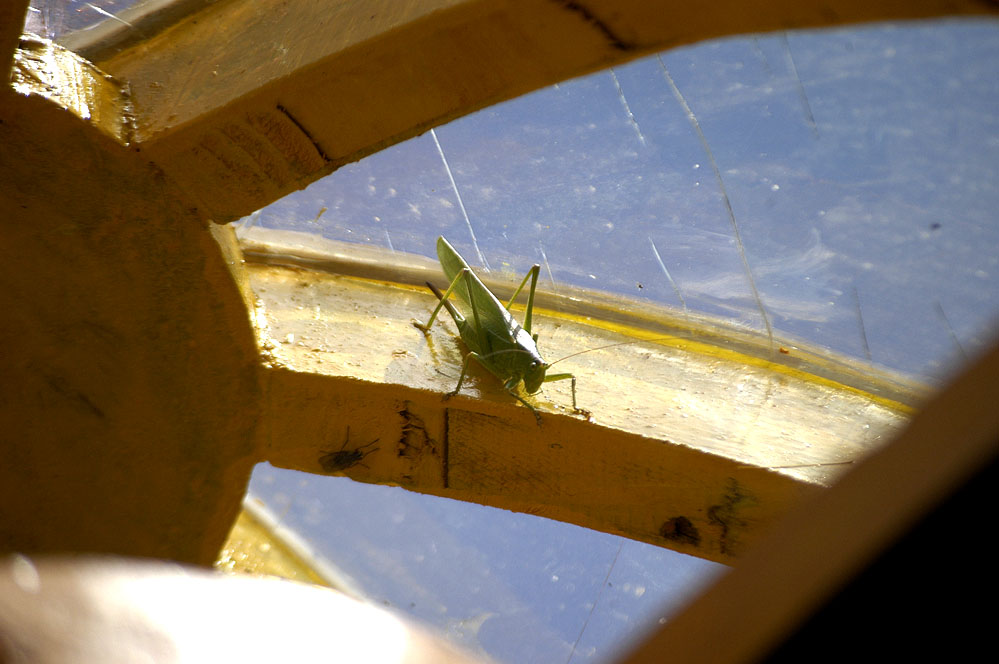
[[342, 459]]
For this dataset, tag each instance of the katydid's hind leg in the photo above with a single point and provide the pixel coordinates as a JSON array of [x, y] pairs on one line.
[[442, 301], [532, 274], [529, 313], [523, 283]]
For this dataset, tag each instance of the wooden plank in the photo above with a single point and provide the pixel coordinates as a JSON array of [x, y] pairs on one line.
[[130, 374], [12, 14], [829, 539], [46, 70], [249, 100], [690, 445], [158, 384]]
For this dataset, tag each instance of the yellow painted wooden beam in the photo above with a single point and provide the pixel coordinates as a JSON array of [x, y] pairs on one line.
[[133, 387], [692, 442], [11, 25], [249, 100], [130, 375], [44, 70], [828, 542]]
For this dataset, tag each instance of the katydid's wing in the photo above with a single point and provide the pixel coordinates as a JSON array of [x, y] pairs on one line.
[[451, 260], [492, 315]]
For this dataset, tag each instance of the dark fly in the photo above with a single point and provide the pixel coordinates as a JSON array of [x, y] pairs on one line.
[[342, 459]]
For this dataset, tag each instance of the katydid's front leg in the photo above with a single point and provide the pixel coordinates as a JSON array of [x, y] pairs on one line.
[[509, 388], [568, 376]]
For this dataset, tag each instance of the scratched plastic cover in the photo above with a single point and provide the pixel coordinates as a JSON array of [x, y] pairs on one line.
[[838, 186]]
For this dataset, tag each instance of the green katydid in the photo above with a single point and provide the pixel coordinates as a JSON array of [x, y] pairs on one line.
[[494, 339]]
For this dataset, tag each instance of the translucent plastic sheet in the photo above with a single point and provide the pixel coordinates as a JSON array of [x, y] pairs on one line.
[[838, 186]]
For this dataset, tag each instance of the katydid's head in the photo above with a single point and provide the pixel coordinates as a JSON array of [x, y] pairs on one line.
[[535, 375]]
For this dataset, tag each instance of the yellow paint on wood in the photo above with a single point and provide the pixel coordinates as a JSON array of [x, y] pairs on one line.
[[133, 390], [689, 445], [838, 543], [44, 69], [131, 378], [254, 548], [11, 26], [249, 100]]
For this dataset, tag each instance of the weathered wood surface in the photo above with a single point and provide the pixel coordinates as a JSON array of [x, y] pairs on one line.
[[135, 395]]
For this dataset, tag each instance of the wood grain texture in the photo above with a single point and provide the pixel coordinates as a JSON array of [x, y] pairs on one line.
[[689, 446], [11, 25], [130, 380], [249, 100], [134, 400], [830, 538]]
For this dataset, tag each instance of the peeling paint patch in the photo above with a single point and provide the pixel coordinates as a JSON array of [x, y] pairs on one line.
[[728, 516], [680, 529], [415, 445], [594, 20], [414, 441]]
